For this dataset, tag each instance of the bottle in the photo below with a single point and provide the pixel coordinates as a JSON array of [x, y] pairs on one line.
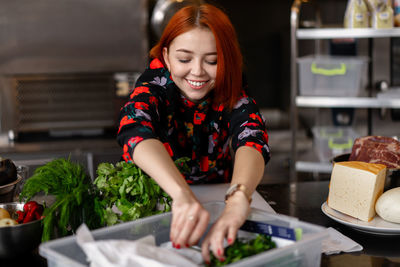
[[381, 14], [356, 15]]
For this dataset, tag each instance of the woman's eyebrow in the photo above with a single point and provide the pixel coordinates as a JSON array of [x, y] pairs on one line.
[[191, 52]]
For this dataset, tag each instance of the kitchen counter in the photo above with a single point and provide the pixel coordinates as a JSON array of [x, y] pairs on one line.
[[304, 199]]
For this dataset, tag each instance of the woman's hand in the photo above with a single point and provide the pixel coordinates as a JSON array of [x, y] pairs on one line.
[[189, 221], [235, 213]]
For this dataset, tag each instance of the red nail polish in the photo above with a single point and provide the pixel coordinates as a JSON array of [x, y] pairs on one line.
[[222, 260], [230, 241], [178, 246], [219, 252], [187, 245]]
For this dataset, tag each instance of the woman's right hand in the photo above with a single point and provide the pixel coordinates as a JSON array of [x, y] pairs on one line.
[[189, 221]]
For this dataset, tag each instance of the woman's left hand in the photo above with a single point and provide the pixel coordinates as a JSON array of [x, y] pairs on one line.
[[235, 213]]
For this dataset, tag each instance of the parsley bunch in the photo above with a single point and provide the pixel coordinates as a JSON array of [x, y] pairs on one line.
[[128, 193]]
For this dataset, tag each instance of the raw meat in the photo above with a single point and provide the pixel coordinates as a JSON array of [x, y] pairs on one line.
[[377, 149]]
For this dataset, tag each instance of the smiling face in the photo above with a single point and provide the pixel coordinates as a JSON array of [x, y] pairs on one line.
[[192, 61]]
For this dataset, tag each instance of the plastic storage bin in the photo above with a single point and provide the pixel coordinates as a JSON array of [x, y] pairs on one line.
[[330, 141], [305, 252], [332, 75]]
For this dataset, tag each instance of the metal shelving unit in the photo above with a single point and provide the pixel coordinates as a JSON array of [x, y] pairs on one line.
[[321, 33]]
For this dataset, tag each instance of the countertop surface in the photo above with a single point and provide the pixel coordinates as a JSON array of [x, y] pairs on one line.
[[302, 200]]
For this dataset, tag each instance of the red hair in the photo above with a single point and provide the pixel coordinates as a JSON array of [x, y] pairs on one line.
[[228, 84]]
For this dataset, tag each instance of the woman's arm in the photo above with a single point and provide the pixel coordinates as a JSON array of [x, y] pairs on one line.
[[248, 171], [189, 218]]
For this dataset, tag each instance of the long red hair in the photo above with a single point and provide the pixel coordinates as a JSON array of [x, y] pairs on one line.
[[228, 82]]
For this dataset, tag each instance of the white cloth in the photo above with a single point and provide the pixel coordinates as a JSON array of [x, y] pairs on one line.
[[337, 242], [127, 253]]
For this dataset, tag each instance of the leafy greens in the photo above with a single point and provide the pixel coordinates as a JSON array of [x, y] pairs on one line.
[[242, 248], [75, 202]]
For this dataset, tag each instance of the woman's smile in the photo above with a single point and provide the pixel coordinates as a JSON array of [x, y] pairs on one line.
[[196, 84]]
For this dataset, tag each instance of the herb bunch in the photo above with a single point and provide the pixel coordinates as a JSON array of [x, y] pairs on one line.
[[242, 248], [128, 193], [76, 200]]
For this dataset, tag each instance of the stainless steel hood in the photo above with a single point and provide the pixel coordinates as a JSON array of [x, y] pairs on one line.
[[47, 36], [58, 58]]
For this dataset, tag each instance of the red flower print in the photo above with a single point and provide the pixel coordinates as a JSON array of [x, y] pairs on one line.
[[141, 105], [140, 90], [255, 117], [126, 156], [169, 150], [134, 141], [265, 136], [218, 107], [204, 164], [124, 121], [258, 147], [251, 124], [153, 100], [198, 117], [156, 64], [147, 123]]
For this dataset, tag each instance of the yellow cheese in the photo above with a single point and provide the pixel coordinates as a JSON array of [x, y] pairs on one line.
[[354, 188]]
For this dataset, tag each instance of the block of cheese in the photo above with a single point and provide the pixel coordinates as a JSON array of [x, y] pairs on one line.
[[355, 187]]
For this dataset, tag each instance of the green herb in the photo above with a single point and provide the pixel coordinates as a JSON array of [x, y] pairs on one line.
[[244, 248], [128, 193], [76, 200]]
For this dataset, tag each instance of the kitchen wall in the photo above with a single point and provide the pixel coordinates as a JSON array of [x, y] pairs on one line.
[[264, 33]]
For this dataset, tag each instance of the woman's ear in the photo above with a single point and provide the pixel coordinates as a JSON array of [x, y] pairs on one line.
[[165, 56]]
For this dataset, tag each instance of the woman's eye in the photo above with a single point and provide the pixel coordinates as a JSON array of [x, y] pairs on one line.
[[184, 60], [212, 62]]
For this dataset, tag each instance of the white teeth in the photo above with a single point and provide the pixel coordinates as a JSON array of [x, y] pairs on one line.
[[196, 83]]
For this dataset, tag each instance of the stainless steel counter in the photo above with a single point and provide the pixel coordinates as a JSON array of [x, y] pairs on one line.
[[88, 151]]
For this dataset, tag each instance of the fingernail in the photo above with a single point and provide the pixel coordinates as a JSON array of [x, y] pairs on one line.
[[230, 241], [219, 252], [178, 246], [222, 259], [208, 262], [187, 245], [173, 244]]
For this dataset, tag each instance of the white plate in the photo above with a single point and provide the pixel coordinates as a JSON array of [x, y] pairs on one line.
[[376, 226]]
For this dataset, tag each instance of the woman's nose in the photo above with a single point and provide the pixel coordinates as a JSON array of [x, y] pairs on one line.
[[197, 68]]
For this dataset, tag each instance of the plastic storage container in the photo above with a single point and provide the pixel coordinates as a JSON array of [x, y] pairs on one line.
[[332, 75], [330, 141], [305, 252]]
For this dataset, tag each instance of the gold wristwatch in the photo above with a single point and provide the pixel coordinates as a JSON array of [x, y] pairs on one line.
[[237, 187]]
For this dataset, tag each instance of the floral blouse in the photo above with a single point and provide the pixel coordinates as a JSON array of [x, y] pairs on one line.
[[203, 132]]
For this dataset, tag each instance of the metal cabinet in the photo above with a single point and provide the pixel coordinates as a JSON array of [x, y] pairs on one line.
[[297, 102]]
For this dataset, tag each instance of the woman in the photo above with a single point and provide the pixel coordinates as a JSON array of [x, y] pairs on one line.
[[190, 103]]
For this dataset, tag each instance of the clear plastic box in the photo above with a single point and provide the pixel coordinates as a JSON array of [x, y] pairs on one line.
[[330, 141], [332, 75], [305, 252]]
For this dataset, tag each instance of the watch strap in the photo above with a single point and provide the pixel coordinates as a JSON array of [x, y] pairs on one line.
[[237, 187]]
